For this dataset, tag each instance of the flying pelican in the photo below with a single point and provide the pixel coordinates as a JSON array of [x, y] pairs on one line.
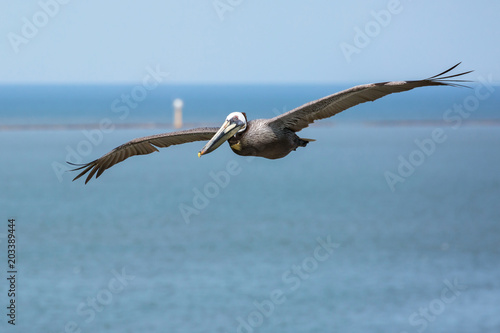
[[270, 138]]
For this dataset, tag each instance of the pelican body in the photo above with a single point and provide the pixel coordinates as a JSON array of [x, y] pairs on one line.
[[269, 138], [273, 142], [258, 138]]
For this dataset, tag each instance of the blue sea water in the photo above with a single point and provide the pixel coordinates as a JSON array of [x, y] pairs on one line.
[[173, 243]]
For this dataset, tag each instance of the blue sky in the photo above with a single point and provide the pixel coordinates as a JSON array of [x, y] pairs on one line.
[[245, 41]]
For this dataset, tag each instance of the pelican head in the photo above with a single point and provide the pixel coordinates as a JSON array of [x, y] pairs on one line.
[[235, 122]]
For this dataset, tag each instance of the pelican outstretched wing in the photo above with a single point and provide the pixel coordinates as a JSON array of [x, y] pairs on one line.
[[142, 146], [328, 106]]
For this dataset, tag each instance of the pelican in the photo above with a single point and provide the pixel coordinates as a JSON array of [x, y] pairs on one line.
[[269, 138]]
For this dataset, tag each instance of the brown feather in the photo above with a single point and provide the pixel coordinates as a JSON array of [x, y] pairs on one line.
[[299, 118], [142, 146]]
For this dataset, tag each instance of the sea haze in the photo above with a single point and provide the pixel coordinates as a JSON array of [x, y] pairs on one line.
[[328, 239]]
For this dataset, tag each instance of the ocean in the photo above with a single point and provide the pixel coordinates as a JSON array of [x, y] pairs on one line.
[[389, 222]]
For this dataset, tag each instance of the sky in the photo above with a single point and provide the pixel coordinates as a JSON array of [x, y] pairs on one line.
[[245, 41]]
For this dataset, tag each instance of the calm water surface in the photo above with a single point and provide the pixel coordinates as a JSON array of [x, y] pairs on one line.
[[315, 242]]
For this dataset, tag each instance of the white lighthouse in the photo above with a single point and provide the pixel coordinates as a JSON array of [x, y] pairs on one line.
[[178, 104]]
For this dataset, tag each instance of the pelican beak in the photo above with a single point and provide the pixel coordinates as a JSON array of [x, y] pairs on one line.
[[227, 130]]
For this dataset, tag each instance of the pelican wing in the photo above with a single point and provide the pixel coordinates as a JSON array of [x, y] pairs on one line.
[[328, 106], [142, 146]]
